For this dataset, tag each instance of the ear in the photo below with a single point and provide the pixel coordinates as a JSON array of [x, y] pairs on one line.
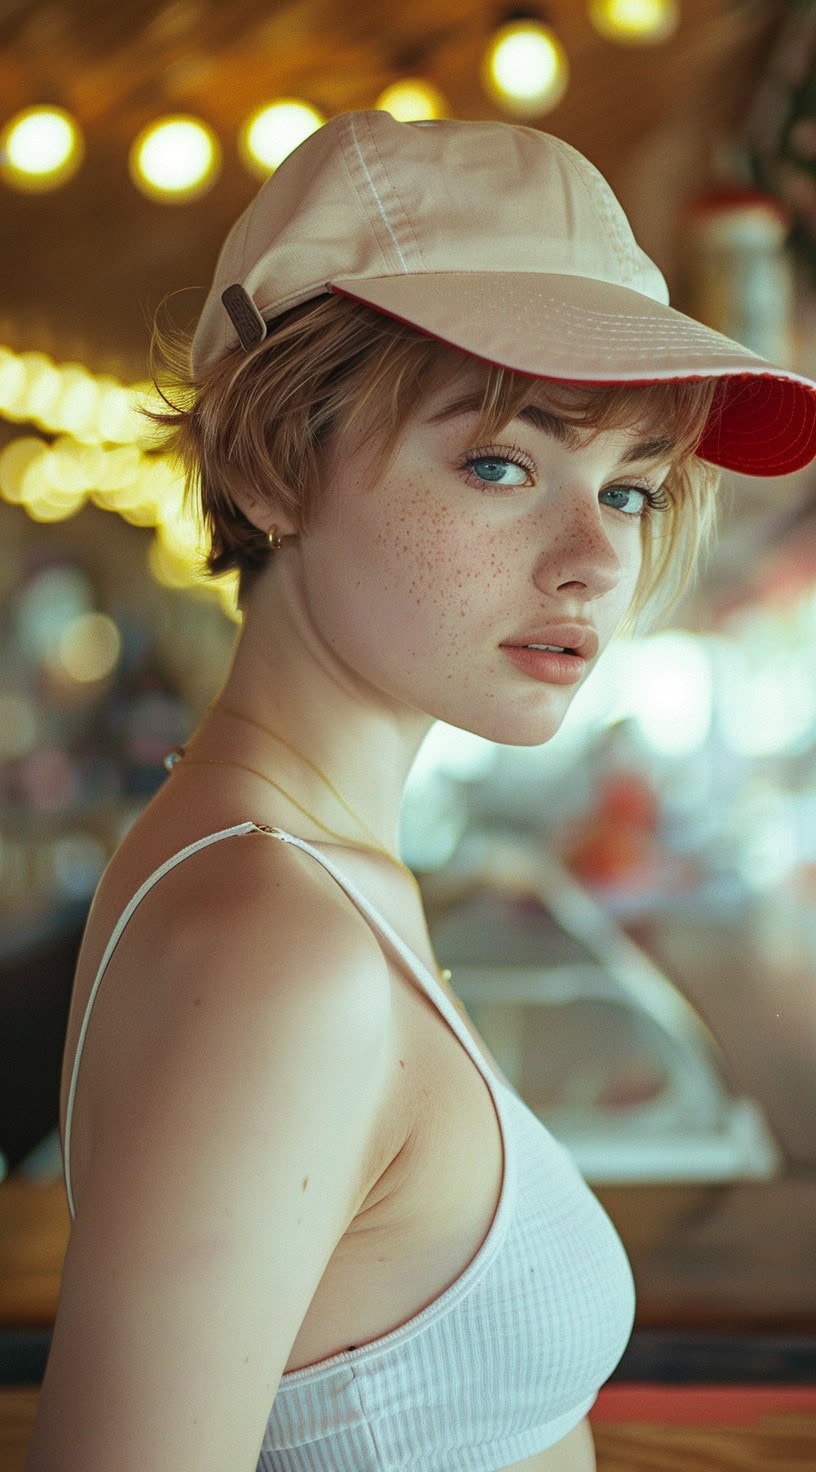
[[263, 513]]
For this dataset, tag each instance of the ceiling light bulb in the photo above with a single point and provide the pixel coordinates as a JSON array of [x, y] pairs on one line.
[[634, 21], [411, 100], [525, 68], [40, 148], [274, 131], [175, 158]]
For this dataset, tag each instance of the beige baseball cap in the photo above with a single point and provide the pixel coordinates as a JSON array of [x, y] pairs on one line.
[[500, 240]]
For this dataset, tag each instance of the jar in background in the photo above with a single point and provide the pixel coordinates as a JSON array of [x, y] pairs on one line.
[[738, 276]]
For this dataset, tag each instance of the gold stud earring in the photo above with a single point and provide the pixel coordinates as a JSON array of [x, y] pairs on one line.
[[273, 539]]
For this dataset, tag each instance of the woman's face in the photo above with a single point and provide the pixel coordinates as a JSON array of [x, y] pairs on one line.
[[415, 579]]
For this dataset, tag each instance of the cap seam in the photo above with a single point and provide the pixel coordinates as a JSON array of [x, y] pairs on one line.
[[380, 203], [601, 209], [404, 208], [640, 324]]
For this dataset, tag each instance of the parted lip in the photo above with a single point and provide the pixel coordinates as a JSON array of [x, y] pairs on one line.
[[580, 638]]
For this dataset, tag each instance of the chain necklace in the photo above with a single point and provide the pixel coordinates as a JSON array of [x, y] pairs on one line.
[[179, 754]]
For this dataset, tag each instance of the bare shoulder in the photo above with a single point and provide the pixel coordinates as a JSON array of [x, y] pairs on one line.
[[225, 939], [249, 875], [257, 905]]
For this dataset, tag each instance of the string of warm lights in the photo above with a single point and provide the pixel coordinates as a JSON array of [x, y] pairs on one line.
[[94, 408], [101, 449], [101, 452], [524, 70]]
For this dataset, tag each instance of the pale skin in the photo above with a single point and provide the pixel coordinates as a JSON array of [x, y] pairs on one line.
[[388, 614]]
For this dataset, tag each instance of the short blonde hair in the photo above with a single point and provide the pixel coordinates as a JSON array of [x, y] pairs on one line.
[[263, 422]]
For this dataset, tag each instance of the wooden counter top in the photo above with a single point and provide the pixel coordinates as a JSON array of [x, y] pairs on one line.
[[780, 1439], [735, 1257]]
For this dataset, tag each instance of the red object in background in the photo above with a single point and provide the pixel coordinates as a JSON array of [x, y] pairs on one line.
[[609, 853], [698, 1405], [613, 843], [626, 797], [735, 199]]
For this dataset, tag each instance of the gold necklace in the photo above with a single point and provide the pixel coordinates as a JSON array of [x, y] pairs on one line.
[[180, 754], [251, 721]]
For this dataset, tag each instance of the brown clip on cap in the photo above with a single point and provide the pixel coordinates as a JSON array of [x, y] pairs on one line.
[[246, 319]]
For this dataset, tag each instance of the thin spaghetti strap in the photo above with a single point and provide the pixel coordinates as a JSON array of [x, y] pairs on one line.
[[191, 848], [429, 983]]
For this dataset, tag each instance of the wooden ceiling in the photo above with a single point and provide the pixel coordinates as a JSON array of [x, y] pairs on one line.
[[84, 267]]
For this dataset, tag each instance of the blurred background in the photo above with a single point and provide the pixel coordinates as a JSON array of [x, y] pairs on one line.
[[628, 913]]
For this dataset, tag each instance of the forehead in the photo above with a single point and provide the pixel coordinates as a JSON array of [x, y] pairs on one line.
[[452, 404]]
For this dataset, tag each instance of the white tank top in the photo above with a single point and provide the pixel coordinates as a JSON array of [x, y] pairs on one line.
[[510, 1357]]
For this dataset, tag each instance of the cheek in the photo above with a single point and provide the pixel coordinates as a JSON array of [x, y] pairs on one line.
[[434, 568]]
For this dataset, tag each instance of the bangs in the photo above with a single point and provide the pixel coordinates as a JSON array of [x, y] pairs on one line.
[[671, 416]]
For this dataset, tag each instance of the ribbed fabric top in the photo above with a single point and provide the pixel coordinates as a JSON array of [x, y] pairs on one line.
[[509, 1358]]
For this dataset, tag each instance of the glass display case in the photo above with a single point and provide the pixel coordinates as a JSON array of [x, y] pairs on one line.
[[595, 1038]]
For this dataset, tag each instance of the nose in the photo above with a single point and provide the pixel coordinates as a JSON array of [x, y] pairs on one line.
[[579, 552]]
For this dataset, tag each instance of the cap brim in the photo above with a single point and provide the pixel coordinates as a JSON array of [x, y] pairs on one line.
[[762, 422]]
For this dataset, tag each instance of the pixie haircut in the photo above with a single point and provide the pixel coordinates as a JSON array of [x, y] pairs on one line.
[[264, 422]]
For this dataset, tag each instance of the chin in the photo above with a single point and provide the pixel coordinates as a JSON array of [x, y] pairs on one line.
[[513, 728]]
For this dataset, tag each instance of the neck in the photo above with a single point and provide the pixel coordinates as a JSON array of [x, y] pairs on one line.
[[364, 743]]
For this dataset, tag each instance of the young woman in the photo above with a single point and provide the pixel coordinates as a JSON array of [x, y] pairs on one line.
[[440, 417]]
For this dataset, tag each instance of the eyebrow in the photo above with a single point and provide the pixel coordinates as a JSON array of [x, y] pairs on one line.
[[559, 429]]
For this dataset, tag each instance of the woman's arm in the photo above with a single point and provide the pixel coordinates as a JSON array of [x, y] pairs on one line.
[[214, 1200]]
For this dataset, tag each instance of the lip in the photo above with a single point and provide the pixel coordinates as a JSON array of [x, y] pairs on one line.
[[550, 669], [580, 637]]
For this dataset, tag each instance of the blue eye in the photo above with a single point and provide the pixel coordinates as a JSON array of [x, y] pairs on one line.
[[652, 500], [494, 467], [629, 491]]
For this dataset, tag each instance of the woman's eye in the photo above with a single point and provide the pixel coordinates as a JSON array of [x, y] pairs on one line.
[[485, 470], [649, 500], [633, 509], [491, 469]]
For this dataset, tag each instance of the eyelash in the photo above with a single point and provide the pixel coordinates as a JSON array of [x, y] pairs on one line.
[[656, 500]]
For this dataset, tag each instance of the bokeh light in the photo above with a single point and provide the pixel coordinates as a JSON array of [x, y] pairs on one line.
[[18, 725], [41, 148], [770, 700], [525, 69], [672, 692], [15, 459], [90, 647], [76, 863], [47, 606], [175, 159], [273, 131], [412, 99], [634, 21]]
